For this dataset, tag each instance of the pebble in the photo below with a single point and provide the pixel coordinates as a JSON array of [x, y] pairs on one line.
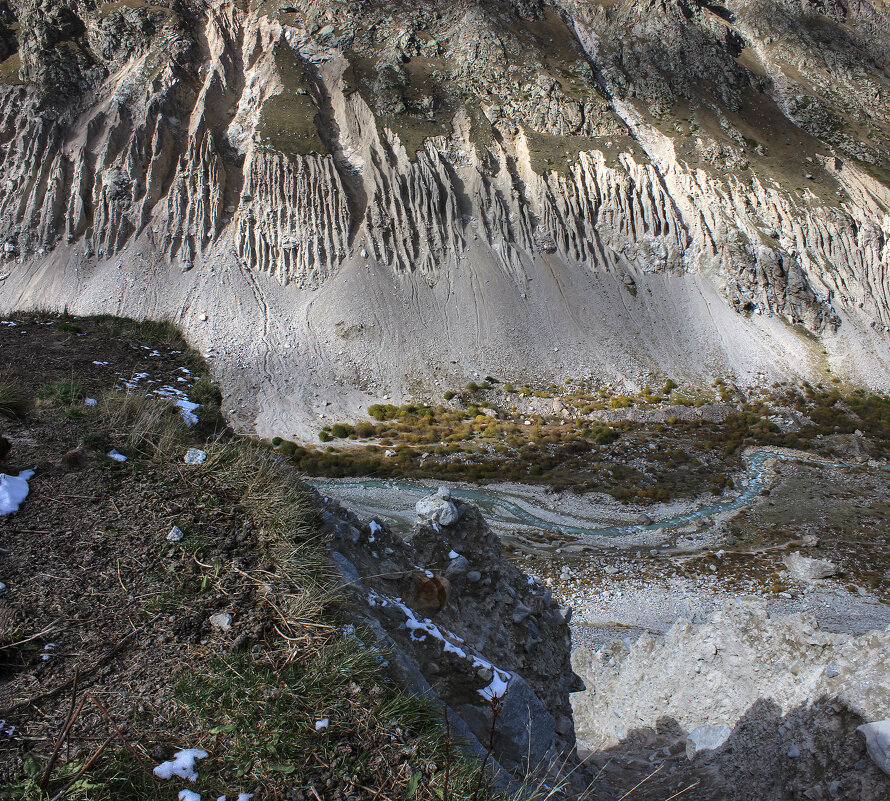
[[221, 621], [194, 456], [176, 534]]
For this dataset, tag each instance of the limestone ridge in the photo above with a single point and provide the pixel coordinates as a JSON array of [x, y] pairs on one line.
[[745, 145]]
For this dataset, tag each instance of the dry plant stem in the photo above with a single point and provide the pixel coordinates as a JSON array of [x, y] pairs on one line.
[[677, 795], [117, 731], [19, 643], [495, 711], [447, 755], [72, 716], [84, 769], [641, 783], [36, 699]]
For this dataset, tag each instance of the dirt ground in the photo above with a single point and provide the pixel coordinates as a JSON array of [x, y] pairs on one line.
[[109, 659]]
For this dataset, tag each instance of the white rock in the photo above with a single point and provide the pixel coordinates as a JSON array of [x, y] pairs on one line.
[[176, 534], [221, 621], [877, 742], [706, 738], [435, 508], [194, 456], [803, 568]]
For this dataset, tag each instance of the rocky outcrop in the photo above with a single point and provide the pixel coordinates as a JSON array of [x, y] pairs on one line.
[[466, 629], [426, 169], [767, 707]]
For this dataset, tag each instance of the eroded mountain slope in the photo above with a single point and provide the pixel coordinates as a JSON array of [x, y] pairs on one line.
[[342, 200]]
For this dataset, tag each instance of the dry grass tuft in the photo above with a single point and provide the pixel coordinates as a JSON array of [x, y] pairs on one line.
[[14, 402]]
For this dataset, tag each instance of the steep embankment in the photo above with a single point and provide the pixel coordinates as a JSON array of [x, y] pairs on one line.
[[172, 587], [339, 202]]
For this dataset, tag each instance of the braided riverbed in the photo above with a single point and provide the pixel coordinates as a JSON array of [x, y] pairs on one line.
[[509, 507]]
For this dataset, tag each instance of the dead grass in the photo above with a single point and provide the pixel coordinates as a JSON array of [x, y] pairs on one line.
[[14, 403], [149, 426]]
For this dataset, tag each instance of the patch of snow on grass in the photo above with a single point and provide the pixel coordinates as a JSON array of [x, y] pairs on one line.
[[13, 490], [115, 454], [322, 724], [182, 765], [189, 795]]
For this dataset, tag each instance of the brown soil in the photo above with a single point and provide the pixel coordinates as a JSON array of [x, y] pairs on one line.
[[100, 609]]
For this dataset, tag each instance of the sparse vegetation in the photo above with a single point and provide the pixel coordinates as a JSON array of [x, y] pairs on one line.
[[63, 392], [13, 401]]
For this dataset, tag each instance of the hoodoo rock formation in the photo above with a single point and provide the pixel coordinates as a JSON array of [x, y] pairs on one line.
[[337, 199]]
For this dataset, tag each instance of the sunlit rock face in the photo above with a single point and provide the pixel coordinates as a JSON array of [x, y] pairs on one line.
[[339, 198]]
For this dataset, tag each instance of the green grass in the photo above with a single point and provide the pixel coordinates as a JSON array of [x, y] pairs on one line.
[[63, 392]]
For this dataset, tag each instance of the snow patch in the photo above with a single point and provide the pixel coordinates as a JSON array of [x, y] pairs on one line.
[[182, 765], [322, 724], [420, 629], [13, 490], [115, 454]]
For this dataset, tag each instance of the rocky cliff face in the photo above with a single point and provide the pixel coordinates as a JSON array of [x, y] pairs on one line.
[[370, 196], [466, 629]]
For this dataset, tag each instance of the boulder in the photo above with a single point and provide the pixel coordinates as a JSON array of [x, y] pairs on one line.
[[437, 509], [706, 738], [803, 568], [877, 742]]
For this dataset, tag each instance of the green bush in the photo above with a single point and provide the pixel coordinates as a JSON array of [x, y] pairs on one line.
[[68, 328], [341, 430], [472, 387], [383, 411], [324, 436], [276, 441], [449, 395]]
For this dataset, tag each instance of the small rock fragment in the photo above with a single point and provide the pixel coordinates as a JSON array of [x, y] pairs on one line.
[[520, 612], [706, 738], [221, 621], [195, 456], [176, 534]]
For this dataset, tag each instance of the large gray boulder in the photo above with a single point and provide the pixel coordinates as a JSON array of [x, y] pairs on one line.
[[803, 568]]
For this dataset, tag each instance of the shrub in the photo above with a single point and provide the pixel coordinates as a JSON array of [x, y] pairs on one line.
[[324, 436], [13, 401], [287, 448], [363, 429], [472, 387], [60, 393], [205, 392], [68, 328], [669, 386], [448, 395], [276, 441], [383, 411], [341, 430], [509, 388]]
